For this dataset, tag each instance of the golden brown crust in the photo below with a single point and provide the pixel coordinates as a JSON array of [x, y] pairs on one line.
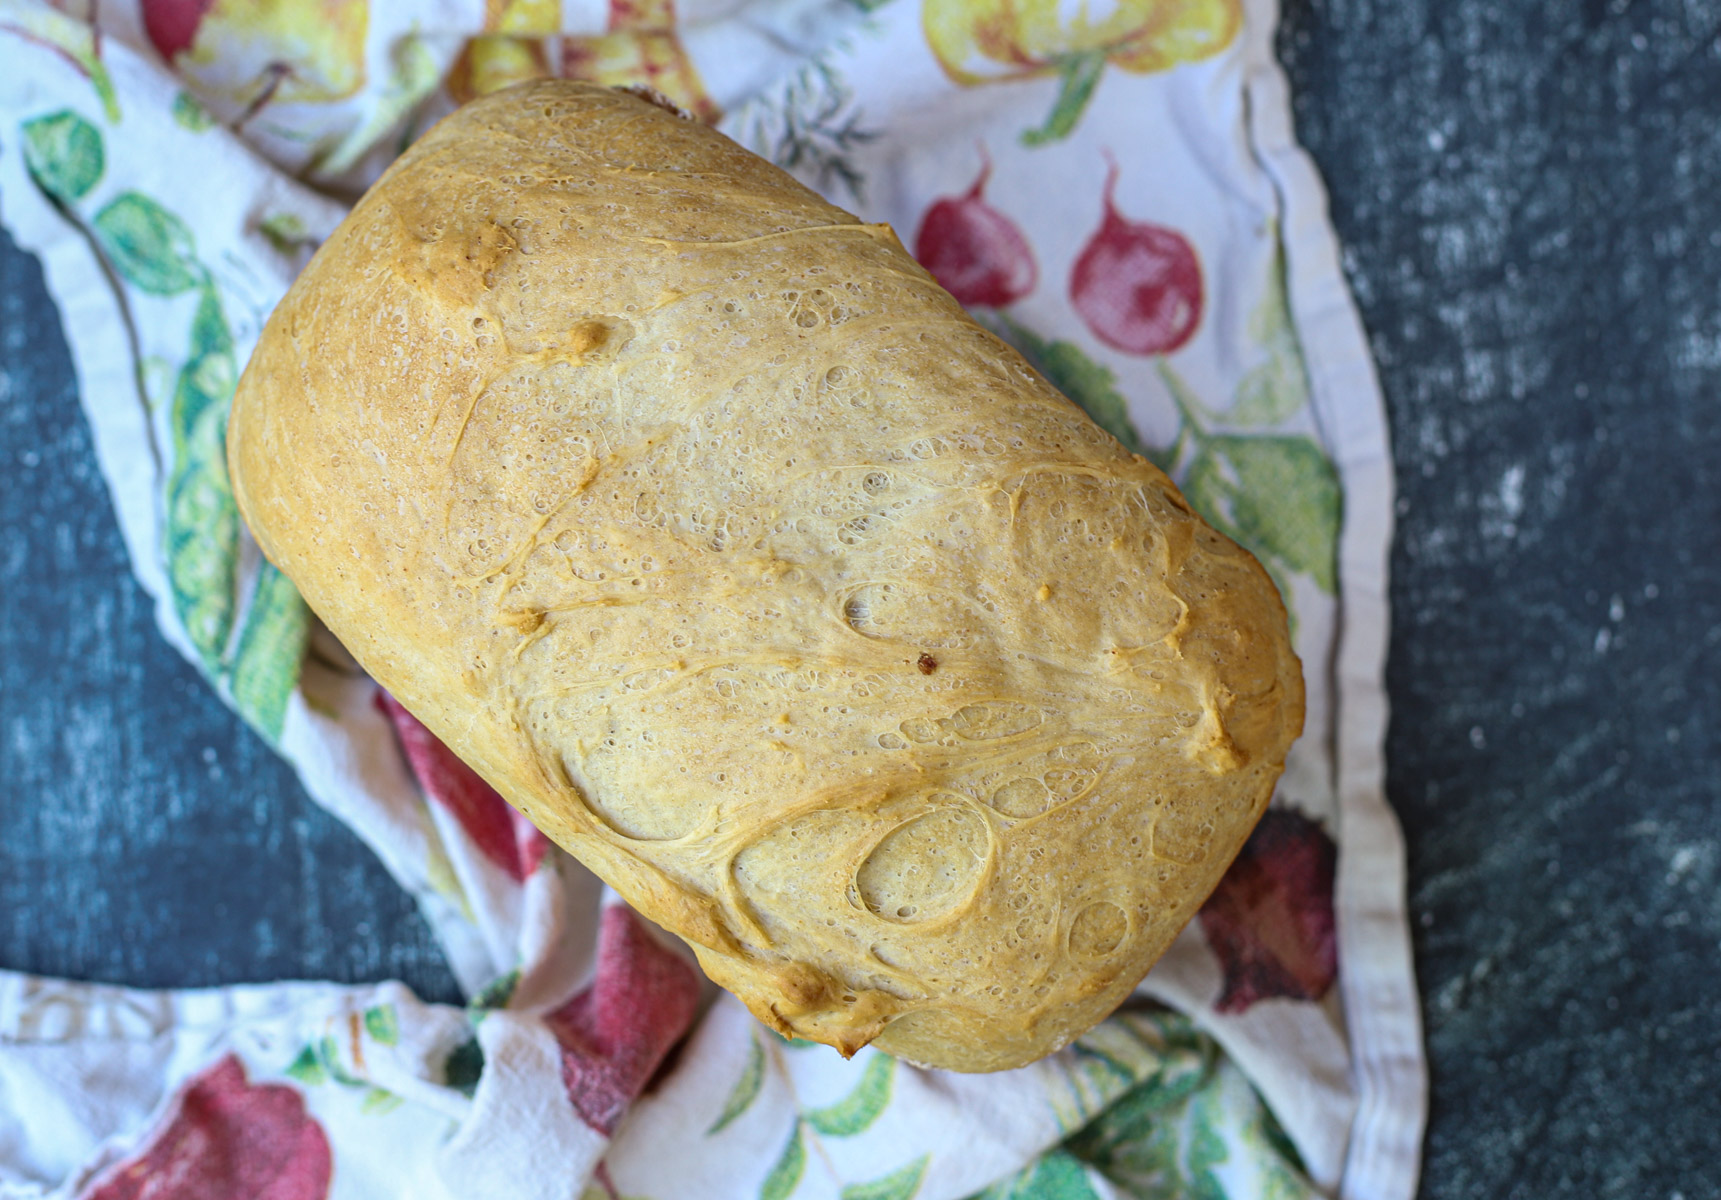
[[692, 513]]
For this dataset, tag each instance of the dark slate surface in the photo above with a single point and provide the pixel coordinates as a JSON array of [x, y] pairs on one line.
[[147, 836], [1529, 195], [1530, 199]]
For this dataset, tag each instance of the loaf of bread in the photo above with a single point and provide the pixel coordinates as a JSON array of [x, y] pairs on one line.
[[693, 514]]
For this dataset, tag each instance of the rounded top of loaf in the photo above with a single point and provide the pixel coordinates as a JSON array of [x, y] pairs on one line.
[[694, 515]]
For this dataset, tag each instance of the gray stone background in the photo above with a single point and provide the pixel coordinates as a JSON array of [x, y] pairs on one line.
[[1529, 195]]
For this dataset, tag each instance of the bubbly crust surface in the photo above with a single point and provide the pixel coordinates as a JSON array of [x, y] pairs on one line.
[[694, 515]]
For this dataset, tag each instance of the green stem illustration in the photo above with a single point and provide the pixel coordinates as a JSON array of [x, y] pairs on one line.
[[1078, 75]]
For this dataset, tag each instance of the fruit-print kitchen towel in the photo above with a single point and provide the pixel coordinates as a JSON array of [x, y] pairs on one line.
[[1113, 187]]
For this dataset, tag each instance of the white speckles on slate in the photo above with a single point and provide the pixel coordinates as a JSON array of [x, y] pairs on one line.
[[1539, 283], [146, 837]]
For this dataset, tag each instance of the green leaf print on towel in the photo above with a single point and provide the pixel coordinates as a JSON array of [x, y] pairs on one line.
[[307, 1068], [329, 1055], [900, 1184], [785, 1173], [1131, 1050], [319, 1062], [1279, 496], [189, 113], [463, 1066], [746, 1088], [1056, 1175], [202, 518], [851, 1115], [64, 155], [465, 1063], [1278, 388], [495, 994], [1212, 1141], [855, 1112], [148, 246], [383, 1024], [380, 1102], [285, 231], [271, 649], [203, 528]]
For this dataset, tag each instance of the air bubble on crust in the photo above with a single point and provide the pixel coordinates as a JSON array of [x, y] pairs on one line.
[[920, 729], [1021, 797], [984, 722], [1098, 929], [926, 867]]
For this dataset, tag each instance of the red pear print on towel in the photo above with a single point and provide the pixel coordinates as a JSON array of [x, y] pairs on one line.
[[225, 1138], [1271, 919], [172, 24], [976, 253], [501, 834], [616, 1032], [1138, 286]]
